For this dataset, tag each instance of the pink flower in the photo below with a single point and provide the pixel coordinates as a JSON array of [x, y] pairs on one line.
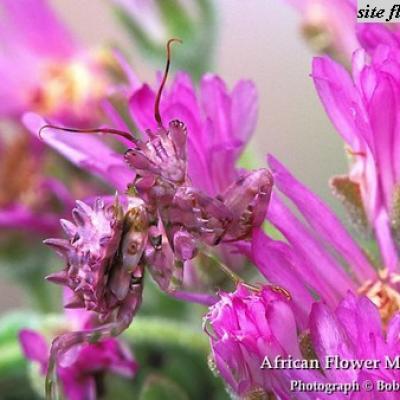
[[354, 331], [371, 36], [43, 68], [317, 256], [363, 108], [79, 370], [30, 201], [249, 330], [316, 250], [247, 326], [219, 124], [85, 151]]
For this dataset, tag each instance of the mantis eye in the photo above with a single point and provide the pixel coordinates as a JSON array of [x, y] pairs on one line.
[[132, 248]]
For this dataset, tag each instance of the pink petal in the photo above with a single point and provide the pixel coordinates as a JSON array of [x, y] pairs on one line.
[[85, 151], [34, 347], [34, 24], [321, 219], [244, 110], [327, 274], [337, 93]]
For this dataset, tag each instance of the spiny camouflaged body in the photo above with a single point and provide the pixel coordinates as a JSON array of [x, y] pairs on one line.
[[102, 254]]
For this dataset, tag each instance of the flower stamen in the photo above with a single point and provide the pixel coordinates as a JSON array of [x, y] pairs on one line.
[[383, 294]]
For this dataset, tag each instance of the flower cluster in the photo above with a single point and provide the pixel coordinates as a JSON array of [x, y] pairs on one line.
[[249, 331], [343, 302]]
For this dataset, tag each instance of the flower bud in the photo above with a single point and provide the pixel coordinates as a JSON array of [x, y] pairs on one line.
[[244, 328]]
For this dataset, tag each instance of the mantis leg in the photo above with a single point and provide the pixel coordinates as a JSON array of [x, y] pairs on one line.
[[64, 342]]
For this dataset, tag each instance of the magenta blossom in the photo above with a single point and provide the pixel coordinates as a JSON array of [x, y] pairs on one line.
[[80, 371], [30, 201], [318, 258], [252, 331], [85, 151], [43, 68], [354, 331], [247, 326], [363, 108], [219, 123]]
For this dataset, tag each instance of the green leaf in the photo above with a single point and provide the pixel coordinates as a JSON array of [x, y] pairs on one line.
[[176, 18], [157, 387], [197, 30]]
